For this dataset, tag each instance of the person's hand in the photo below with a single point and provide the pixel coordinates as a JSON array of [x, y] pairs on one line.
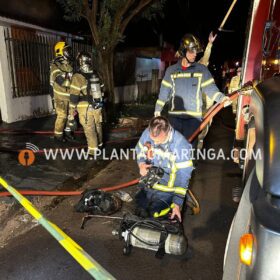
[[176, 213], [157, 114], [211, 37], [227, 101], [143, 168]]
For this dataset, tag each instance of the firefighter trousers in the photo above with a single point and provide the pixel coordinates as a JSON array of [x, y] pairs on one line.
[[61, 109], [91, 120], [150, 201], [186, 126]]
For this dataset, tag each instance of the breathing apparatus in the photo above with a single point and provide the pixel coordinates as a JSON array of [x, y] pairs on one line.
[[162, 236], [94, 92], [98, 202]]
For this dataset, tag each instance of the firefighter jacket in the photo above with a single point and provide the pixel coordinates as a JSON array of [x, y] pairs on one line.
[[174, 157], [183, 90], [60, 78], [79, 92], [234, 84]]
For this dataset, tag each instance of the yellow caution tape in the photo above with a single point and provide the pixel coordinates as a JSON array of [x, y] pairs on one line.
[[81, 256]]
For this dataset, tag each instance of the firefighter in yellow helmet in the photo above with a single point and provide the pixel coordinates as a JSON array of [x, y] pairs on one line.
[[87, 97], [61, 72]]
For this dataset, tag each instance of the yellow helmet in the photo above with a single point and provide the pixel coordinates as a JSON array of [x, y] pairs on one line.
[[58, 48], [62, 49]]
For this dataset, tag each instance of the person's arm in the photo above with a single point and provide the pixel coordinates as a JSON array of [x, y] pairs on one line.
[[75, 89], [206, 56], [164, 94], [209, 87], [180, 176], [141, 154], [54, 73]]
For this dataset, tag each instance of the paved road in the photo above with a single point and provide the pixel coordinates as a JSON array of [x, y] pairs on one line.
[[36, 255]]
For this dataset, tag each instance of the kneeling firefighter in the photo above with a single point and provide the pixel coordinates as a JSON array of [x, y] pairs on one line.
[[61, 72], [163, 156], [87, 97], [164, 159]]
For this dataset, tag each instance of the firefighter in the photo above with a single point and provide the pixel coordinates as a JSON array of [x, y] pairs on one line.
[[235, 84], [61, 72], [87, 97], [182, 87], [207, 102], [163, 150]]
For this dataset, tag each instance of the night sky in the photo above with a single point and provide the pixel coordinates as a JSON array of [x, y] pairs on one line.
[[198, 17], [180, 17]]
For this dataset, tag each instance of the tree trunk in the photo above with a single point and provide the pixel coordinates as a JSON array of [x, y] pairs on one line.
[[106, 63], [106, 67]]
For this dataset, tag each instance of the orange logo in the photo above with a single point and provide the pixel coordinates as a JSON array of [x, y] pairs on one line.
[[26, 157]]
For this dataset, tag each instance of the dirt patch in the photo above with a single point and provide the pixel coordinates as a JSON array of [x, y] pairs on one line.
[[16, 221]]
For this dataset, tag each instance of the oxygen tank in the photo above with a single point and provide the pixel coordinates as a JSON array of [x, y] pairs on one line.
[[175, 244], [95, 89]]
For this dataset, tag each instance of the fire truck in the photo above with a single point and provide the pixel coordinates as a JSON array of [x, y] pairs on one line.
[[253, 245]]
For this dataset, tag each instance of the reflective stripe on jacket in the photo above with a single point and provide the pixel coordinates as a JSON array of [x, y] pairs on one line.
[[183, 90], [58, 69], [78, 90]]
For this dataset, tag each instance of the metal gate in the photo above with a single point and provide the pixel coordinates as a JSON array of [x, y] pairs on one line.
[[29, 55]]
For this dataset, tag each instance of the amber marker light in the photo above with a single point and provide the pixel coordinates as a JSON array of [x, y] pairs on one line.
[[246, 248]]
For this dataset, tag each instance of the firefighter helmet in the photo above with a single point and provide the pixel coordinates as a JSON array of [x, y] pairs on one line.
[[84, 62], [62, 49], [189, 43]]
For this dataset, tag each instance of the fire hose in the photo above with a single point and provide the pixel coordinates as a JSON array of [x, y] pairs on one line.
[[7, 150], [72, 193], [48, 132], [207, 118]]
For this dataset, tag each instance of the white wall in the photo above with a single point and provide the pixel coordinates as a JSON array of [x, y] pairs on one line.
[[144, 68], [20, 108]]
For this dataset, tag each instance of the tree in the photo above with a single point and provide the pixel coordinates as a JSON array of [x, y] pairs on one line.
[[108, 20]]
